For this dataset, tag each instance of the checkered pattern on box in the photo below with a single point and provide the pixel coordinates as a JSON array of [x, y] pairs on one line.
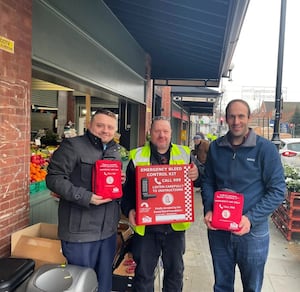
[[188, 195]]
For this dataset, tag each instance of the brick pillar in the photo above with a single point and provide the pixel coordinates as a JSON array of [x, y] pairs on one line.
[[166, 101], [62, 111], [146, 116], [71, 108], [15, 97]]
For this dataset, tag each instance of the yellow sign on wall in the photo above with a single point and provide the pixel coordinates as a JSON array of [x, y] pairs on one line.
[[183, 135], [7, 45]]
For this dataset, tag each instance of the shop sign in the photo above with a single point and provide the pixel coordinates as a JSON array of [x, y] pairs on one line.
[[183, 135], [7, 45]]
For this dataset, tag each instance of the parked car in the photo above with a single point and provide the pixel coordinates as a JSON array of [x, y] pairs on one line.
[[289, 150]]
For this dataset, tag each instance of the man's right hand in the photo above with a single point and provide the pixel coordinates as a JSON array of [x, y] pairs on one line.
[[208, 220], [98, 200], [131, 217]]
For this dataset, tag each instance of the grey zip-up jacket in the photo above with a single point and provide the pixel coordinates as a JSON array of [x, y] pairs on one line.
[[70, 176]]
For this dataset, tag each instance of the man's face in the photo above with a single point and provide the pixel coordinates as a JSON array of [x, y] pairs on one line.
[[161, 135], [196, 141], [103, 127], [238, 119]]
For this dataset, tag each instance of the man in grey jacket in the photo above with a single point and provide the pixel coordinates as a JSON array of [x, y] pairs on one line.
[[87, 223]]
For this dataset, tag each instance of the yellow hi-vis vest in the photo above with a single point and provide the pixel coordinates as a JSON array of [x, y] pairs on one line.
[[179, 155]]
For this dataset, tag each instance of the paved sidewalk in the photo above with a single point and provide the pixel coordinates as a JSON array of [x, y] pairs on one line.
[[282, 272]]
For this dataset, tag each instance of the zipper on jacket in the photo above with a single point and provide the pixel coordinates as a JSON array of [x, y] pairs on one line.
[[234, 154]]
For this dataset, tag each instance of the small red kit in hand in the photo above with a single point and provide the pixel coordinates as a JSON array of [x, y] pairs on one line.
[[227, 210], [106, 179]]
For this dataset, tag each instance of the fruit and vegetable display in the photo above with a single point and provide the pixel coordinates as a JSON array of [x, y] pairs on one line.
[[39, 161], [38, 167]]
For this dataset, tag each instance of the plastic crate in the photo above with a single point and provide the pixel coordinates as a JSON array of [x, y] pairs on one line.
[[34, 187], [42, 185], [37, 187]]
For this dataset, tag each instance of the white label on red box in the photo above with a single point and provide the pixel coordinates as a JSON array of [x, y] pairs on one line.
[[164, 194]]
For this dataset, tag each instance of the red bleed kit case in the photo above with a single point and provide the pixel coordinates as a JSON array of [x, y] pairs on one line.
[[227, 210], [107, 179], [164, 194]]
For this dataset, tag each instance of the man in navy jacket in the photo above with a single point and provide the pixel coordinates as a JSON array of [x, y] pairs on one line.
[[249, 164]]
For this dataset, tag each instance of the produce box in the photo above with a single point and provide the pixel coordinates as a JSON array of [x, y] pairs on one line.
[[122, 279], [38, 242]]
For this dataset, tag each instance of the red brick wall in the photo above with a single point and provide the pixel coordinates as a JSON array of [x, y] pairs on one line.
[[70, 107], [15, 95], [146, 118], [166, 101]]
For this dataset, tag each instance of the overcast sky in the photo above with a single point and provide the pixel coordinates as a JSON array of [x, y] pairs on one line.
[[255, 57]]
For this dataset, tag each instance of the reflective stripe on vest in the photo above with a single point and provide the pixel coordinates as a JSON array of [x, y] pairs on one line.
[[179, 155]]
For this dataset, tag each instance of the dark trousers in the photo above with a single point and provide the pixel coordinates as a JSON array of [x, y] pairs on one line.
[[97, 255], [146, 251]]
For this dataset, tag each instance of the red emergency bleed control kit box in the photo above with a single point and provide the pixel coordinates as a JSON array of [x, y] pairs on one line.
[[227, 210], [164, 194], [106, 179]]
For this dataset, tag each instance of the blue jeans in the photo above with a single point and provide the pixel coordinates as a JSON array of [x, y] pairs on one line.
[[98, 255], [249, 252]]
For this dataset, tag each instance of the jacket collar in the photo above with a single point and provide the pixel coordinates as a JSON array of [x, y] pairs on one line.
[[250, 140], [96, 141]]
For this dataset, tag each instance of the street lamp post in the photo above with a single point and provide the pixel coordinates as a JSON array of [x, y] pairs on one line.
[[278, 97]]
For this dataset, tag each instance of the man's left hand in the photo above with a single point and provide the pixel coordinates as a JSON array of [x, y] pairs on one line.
[[98, 200], [244, 225]]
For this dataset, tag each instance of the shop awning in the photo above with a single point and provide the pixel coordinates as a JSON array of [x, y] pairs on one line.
[[191, 43], [195, 100]]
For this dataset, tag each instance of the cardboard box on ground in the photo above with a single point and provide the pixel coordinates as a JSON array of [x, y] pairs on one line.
[[38, 242]]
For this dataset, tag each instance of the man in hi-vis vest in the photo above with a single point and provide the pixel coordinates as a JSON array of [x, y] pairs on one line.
[[167, 240]]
